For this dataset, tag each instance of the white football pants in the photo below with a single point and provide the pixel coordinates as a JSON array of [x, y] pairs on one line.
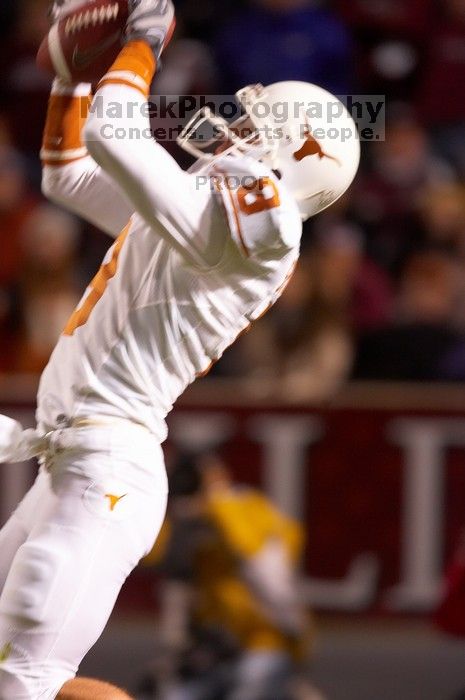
[[94, 511]]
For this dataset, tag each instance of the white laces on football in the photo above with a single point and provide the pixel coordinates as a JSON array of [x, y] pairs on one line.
[[61, 8]]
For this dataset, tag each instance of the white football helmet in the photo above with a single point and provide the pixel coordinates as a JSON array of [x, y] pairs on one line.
[[298, 129]]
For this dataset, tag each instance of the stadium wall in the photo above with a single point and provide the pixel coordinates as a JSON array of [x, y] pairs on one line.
[[378, 477]]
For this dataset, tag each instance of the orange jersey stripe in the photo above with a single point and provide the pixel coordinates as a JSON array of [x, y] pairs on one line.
[[136, 57], [238, 223], [66, 117], [220, 188], [98, 286]]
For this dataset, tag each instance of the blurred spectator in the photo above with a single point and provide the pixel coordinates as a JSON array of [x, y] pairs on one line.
[[441, 101], [408, 200], [302, 350], [441, 209], [48, 289], [277, 40], [415, 346], [385, 197], [24, 89], [390, 38], [429, 290], [16, 206], [349, 276], [232, 557]]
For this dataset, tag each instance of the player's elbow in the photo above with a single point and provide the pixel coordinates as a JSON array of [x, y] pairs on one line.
[[50, 185], [45, 184], [92, 134], [98, 135], [59, 186], [97, 141], [107, 151]]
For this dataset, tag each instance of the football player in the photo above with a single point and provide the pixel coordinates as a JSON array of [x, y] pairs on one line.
[[197, 257]]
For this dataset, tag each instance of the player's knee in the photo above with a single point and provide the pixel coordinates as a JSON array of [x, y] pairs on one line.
[[30, 583]]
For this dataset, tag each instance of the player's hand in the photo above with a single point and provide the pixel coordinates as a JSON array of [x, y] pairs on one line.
[[17, 444], [151, 20]]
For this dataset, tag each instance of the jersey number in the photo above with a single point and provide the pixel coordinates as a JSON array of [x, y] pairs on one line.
[[97, 287], [261, 195]]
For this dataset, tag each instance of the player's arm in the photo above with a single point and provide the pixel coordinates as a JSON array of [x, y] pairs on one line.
[[159, 190], [70, 177]]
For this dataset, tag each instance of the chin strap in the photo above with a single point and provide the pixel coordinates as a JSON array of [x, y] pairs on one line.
[[17, 444]]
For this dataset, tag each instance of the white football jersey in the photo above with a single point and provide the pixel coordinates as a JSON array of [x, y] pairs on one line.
[[163, 307]]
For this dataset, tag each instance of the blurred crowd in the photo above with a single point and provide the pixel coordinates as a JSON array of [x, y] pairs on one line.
[[380, 290]]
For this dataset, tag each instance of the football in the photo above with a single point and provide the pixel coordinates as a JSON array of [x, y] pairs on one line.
[[83, 44]]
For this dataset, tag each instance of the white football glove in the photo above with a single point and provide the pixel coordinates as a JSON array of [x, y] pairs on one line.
[[17, 444], [151, 20]]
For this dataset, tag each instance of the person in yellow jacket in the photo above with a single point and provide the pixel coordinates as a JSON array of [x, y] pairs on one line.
[[231, 561]]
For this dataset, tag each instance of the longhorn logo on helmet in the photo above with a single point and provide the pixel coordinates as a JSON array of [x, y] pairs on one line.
[[311, 147]]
